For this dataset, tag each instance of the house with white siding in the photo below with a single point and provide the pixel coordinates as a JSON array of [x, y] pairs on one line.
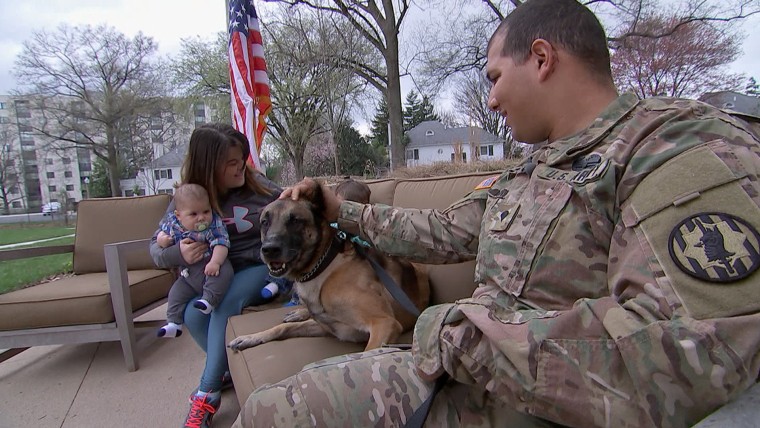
[[431, 142]]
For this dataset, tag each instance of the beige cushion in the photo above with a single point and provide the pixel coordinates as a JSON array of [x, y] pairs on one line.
[[449, 283], [105, 221], [274, 361], [81, 299], [436, 192], [382, 191]]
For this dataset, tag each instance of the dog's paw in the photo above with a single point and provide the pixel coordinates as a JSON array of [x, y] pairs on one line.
[[244, 342], [301, 314]]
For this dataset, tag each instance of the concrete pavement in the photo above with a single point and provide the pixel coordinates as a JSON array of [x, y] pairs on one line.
[[88, 386]]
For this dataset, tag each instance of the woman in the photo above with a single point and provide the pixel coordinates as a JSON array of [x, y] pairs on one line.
[[216, 160]]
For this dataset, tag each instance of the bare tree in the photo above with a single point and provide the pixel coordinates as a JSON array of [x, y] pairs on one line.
[[298, 104], [200, 72], [320, 39], [471, 93], [89, 85], [10, 182], [687, 62], [379, 22]]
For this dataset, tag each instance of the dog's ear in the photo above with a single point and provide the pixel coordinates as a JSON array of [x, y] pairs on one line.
[[318, 199]]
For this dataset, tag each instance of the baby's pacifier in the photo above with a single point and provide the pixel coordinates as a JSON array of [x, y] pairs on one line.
[[201, 226]]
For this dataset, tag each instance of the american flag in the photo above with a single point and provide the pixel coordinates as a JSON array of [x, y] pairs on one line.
[[251, 101]]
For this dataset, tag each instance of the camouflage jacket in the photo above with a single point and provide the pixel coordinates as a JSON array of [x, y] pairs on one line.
[[617, 270]]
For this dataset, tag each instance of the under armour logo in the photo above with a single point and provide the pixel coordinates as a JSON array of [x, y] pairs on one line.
[[241, 224]]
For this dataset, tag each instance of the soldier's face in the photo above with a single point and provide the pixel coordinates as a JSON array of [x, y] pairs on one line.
[[512, 94]]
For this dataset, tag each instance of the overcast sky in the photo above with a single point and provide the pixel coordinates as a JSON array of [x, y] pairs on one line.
[[168, 21]]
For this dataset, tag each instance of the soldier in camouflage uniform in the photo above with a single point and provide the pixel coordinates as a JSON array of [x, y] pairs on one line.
[[618, 267]]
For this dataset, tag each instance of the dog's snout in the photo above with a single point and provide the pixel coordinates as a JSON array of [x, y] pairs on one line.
[[271, 250]]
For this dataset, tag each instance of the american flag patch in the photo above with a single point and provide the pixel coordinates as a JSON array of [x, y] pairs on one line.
[[487, 183]]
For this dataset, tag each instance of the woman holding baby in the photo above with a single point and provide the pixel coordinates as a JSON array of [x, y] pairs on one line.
[[216, 160]]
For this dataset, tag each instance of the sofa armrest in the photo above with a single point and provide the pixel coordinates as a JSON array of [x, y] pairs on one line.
[[26, 253], [118, 281]]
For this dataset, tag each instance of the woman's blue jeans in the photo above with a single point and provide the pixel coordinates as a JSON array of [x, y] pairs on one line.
[[209, 330]]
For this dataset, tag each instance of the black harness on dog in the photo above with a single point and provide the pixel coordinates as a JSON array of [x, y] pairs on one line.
[[388, 282]]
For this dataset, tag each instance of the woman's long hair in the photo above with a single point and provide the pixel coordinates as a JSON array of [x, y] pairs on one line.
[[207, 156]]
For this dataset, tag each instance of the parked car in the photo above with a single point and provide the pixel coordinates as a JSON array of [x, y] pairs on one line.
[[51, 207]]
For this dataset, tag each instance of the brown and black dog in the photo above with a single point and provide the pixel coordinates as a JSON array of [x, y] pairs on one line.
[[342, 294]]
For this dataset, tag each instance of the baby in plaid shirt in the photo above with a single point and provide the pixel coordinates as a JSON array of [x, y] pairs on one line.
[[210, 278]]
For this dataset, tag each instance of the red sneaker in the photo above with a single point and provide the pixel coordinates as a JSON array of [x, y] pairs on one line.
[[202, 410]]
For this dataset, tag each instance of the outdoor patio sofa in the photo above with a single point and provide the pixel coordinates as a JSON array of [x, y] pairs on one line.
[[274, 361], [114, 281]]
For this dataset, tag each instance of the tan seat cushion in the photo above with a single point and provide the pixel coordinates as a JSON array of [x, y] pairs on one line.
[[109, 220], [81, 299], [274, 361], [436, 192], [381, 191]]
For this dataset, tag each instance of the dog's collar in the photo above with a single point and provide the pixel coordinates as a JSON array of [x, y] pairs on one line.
[[329, 255]]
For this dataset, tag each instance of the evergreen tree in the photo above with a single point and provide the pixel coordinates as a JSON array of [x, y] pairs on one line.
[[752, 88], [354, 151], [379, 129], [418, 110]]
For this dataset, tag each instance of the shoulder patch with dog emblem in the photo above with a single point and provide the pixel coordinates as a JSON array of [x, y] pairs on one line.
[[487, 183], [715, 247]]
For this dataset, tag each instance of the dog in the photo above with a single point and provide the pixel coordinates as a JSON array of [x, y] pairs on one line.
[[341, 292]]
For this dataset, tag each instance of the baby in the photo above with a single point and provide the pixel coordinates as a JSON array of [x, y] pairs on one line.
[[193, 218], [351, 190]]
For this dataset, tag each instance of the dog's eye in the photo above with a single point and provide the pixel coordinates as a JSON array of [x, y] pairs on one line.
[[293, 220]]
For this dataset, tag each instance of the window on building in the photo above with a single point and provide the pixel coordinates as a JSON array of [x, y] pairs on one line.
[[16, 204], [22, 109], [429, 133], [156, 123], [159, 174], [53, 199], [50, 175], [69, 187], [464, 157], [486, 150], [413, 154], [165, 191], [2, 106], [5, 120], [66, 161], [68, 174], [51, 188], [48, 161]]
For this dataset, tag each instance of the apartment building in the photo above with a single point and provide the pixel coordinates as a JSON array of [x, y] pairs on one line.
[[34, 171]]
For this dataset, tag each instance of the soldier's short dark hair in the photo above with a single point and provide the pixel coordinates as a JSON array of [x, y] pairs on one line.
[[563, 23], [355, 191]]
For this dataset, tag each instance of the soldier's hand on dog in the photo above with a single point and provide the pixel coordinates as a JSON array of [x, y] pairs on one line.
[[306, 187], [192, 251]]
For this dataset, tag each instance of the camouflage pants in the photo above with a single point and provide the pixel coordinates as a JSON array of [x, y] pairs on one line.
[[378, 388]]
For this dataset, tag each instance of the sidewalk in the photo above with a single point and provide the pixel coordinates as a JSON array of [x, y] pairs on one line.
[[88, 386]]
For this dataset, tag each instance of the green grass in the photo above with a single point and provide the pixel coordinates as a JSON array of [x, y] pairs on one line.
[[15, 233], [16, 274]]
